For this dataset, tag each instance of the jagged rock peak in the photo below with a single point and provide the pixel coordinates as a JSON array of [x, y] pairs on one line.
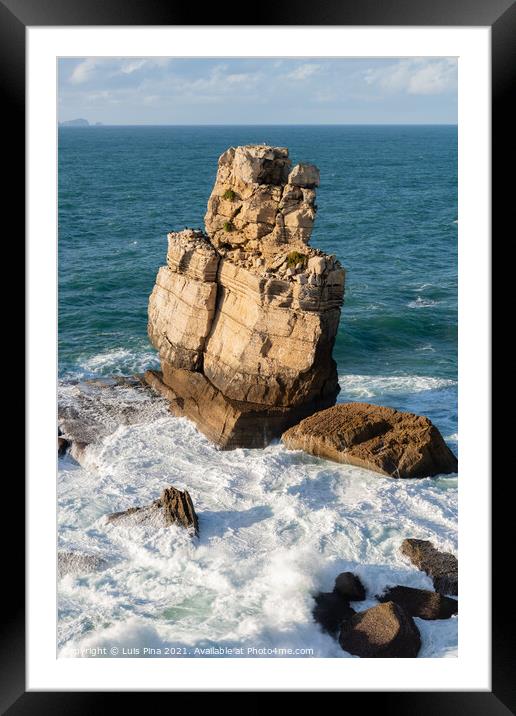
[[261, 204]]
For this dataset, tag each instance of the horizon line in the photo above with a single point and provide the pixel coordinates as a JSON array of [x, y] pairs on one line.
[[297, 124]]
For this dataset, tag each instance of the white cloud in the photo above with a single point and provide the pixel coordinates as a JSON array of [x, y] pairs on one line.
[[83, 71], [127, 68], [303, 72], [418, 76]]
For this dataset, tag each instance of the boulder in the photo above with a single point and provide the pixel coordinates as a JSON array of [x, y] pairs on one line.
[[376, 438], [77, 563], [384, 631], [349, 586], [421, 603], [173, 507], [441, 567], [235, 306], [305, 175], [330, 611]]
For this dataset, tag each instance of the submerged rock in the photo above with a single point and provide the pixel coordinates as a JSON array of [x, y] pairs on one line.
[[442, 567], [349, 586], [173, 507], [78, 563], [381, 632], [90, 410], [421, 603], [248, 308], [331, 610], [376, 438]]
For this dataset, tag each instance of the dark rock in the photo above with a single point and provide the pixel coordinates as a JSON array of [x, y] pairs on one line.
[[381, 632], [330, 611], [442, 567], [376, 438], [178, 508], [62, 446], [172, 507], [421, 603], [349, 586]]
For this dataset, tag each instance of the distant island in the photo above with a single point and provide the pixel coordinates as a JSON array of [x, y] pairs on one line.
[[78, 123]]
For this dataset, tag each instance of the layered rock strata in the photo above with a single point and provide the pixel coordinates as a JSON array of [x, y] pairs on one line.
[[376, 438], [245, 315]]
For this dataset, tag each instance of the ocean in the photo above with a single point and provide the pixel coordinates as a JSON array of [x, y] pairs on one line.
[[276, 526]]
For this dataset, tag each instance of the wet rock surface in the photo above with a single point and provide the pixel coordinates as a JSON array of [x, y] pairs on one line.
[[349, 586], [421, 603], [331, 610], [441, 567], [90, 410], [173, 507], [384, 631]]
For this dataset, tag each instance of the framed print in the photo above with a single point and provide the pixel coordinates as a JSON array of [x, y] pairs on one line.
[[258, 292]]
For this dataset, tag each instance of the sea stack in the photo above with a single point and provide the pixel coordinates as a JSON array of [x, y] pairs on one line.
[[244, 315]]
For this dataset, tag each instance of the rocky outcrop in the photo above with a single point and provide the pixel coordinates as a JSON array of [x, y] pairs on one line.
[[245, 315], [228, 423], [89, 411], [421, 603], [173, 507], [441, 567], [376, 438], [182, 303], [330, 611], [349, 586], [384, 631]]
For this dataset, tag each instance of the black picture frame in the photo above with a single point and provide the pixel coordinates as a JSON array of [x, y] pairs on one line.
[[500, 15]]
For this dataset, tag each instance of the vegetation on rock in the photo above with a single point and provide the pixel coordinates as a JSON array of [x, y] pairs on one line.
[[295, 257]]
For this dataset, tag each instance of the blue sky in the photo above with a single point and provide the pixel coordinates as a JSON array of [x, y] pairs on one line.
[[160, 90]]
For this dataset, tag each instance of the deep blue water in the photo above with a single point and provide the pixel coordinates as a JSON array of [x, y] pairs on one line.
[[387, 207]]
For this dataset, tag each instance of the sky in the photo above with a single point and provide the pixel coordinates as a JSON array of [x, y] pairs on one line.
[[162, 90]]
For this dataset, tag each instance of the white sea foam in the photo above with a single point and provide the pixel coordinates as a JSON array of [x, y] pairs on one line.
[[422, 303], [276, 526], [360, 387], [427, 347], [121, 361]]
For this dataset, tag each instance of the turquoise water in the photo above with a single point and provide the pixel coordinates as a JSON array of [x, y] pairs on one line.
[[387, 208]]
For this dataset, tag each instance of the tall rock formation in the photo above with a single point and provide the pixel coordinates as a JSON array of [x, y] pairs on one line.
[[245, 315]]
